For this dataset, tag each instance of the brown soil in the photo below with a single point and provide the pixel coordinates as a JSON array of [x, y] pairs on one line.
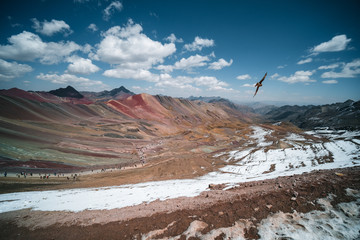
[[250, 202]]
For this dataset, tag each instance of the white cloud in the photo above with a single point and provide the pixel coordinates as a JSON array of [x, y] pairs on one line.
[[166, 80], [275, 75], [87, 48], [127, 47], [281, 66], [81, 65], [211, 82], [331, 66], [11, 70], [136, 87], [330, 81], [248, 85], [221, 63], [136, 74], [349, 70], [66, 79], [243, 77], [28, 46], [180, 82], [199, 43], [93, 27], [109, 10], [308, 60], [52, 27], [336, 44], [172, 38], [298, 76], [190, 83], [186, 63], [192, 61]]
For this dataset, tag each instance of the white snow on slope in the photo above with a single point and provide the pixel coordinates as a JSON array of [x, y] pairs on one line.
[[247, 164], [335, 222]]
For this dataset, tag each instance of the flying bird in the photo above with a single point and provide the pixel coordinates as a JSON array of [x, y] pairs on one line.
[[259, 84]]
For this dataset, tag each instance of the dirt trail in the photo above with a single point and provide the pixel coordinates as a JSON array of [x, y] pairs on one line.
[[247, 204]]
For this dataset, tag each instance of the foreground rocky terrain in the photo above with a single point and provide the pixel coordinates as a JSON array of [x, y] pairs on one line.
[[323, 203], [115, 165]]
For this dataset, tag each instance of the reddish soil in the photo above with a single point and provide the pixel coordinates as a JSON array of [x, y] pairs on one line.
[[217, 208]]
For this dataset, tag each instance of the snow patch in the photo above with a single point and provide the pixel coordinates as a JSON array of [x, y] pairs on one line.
[[335, 222]]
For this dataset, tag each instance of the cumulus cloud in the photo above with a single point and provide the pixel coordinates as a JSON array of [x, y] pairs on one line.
[[11, 70], [52, 27], [199, 44], [136, 74], [330, 81], [128, 47], [336, 44], [192, 83], [243, 77], [298, 76], [192, 61], [308, 60], [248, 85], [27, 46], [109, 10], [275, 75], [331, 66], [349, 70], [79, 65], [180, 82], [172, 38], [211, 82], [70, 79], [93, 27], [186, 63], [220, 64]]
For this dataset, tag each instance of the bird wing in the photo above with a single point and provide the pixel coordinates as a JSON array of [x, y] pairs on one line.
[[256, 90], [263, 78]]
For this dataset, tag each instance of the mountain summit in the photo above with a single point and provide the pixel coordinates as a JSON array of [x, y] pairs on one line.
[[116, 93], [69, 91]]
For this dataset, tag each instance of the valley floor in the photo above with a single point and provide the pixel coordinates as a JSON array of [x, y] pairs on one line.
[[322, 203], [263, 182]]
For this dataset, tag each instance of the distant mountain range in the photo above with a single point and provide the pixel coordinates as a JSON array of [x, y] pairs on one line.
[[344, 115], [338, 115], [116, 93]]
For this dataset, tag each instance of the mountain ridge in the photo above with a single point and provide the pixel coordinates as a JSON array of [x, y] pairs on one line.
[[69, 91], [344, 115]]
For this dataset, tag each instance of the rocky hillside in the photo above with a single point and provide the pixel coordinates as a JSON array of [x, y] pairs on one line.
[[83, 132], [344, 115]]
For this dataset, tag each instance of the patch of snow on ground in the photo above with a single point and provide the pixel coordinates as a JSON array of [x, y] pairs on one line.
[[239, 154], [259, 134], [295, 137], [335, 222]]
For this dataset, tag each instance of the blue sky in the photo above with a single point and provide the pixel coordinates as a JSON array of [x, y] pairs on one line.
[[310, 49]]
